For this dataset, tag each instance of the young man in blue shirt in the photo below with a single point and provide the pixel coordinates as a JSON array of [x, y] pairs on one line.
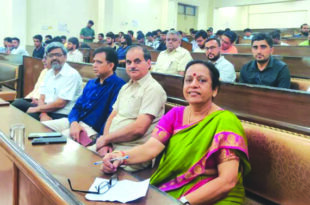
[[94, 106]]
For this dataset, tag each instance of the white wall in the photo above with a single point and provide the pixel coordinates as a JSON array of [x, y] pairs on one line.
[[59, 17], [290, 14]]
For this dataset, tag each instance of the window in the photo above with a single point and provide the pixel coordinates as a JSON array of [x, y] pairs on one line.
[[187, 10]]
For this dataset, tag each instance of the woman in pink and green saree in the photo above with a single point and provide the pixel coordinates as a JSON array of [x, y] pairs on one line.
[[205, 154]]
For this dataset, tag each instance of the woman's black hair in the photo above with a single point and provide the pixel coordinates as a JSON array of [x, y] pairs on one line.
[[214, 73]]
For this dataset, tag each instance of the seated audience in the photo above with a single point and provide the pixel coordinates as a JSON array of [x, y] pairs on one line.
[[174, 59], [7, 45], [38, 51], [213, 53], [247, 34], [125, 43], [151, 40], [17, 50], [93, 107], [139, 106], [227, 40], [306, 42], [200, 37], [205, 153], [87, 33], [111, 41], [276, 38], [61, 87], [304, 30], [74, 55], [101, 38], [162, 44], [265, 69]]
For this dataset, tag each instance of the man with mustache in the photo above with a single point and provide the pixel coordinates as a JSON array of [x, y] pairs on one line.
[[61, 87], [213, 53], [74, 55], [93, 107], [138, 108], [265, 69]]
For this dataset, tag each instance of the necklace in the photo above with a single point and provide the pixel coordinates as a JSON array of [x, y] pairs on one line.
[[190, 114]]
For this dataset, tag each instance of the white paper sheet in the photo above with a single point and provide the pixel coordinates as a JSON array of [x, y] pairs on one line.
[[123, 191]]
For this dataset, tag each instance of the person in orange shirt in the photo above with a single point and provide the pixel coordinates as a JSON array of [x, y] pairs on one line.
[[227, 41]]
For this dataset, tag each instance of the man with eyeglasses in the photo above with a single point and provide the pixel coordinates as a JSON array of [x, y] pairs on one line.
[[265, 69], [213, 53], [174, 59], [93, 107], [61, 87]]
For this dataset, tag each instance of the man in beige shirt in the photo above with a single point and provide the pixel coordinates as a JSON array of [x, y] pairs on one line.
[[174, 59], [139, 106]]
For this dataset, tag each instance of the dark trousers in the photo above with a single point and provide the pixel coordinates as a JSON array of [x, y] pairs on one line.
[[24, 104]]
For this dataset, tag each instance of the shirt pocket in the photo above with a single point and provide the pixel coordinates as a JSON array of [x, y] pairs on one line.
[[130, 106]]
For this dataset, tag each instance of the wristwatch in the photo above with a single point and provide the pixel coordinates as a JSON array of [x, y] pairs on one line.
[[184, 200]]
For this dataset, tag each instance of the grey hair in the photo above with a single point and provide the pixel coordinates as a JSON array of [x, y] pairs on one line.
[[174, 32], [55, 45]]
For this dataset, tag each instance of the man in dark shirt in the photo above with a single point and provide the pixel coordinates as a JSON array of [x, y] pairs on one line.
[[162, 45], [265, 69], [94, 106], [38, 51]]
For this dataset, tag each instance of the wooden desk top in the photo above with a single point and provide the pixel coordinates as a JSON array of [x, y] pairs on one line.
[[70, 160]]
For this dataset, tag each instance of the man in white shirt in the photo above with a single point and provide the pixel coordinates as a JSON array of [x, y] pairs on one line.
[[74, 55], [174, 59], [17, 50], [61, 87], [200, 37], [213, 53]]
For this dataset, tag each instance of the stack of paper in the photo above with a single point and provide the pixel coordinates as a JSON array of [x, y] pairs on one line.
[[123, 191]]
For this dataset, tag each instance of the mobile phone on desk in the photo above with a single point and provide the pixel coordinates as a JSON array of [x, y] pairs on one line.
[[43, 135], [51, 140]]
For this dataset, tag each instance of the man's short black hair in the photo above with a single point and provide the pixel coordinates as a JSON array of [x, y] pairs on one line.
[[247, 30], [149, 34], [131, 32], [8, 39], [164, 32], [110, 55], [49, 37], [16, 39], [57, 39], [231, 35], [219, 32], [146, 53], [261, 37], [214, 39], [101, 34], [91, 22], [63, 37], [305, 24], [128, 40], [74, 41], [38, 37], [276, 34], [202, 34], [110, 35]]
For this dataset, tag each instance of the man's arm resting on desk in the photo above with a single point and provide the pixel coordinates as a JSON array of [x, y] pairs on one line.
[[130, 132], [50, 107]]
